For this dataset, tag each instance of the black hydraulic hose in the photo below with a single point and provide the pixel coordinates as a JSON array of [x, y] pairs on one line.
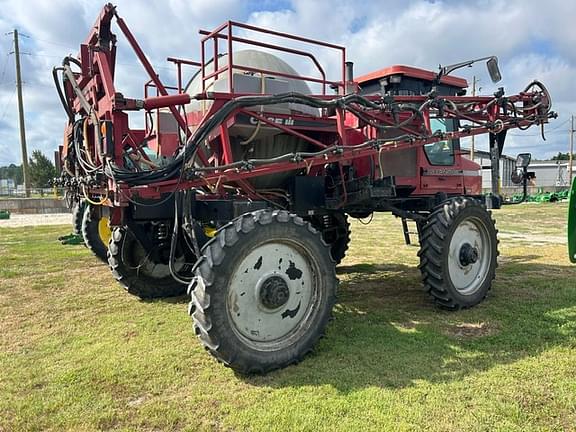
[[543, 89], [83, 102], [174, 168], [68, 59], [61, 93], [173, 244], [241, 102]]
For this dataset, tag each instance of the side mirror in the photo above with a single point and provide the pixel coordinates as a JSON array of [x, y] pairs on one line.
[[517, 176], [493, 70], [523, 160]]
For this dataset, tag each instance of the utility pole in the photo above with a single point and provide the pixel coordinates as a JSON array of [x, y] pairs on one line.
[[570, 157], [21, 116], [474, 81]]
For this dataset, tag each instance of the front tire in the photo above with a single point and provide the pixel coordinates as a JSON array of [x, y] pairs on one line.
[[263, 291], [458, 255]]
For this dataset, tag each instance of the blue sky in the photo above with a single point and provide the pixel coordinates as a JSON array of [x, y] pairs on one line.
[[530, 40]]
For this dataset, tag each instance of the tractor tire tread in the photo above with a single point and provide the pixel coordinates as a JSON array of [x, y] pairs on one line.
[[203, 285], [433, 247]]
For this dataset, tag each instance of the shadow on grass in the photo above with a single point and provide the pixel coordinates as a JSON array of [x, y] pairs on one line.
[[183, 299], [388, 334]]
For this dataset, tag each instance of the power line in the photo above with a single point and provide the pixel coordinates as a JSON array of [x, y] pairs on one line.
[[43, 55], [545, 131], [9, 100], [53, 43], [4, 67]]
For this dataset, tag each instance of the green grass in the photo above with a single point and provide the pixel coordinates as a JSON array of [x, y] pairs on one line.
[[77, 353]]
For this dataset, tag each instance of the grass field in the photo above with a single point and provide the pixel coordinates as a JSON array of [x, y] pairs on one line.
[[77, 353]]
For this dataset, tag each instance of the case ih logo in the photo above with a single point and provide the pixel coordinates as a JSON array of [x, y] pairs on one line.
[[278, 120]]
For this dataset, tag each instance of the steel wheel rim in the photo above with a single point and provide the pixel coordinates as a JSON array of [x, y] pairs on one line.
[[261, 324], [469, 236]]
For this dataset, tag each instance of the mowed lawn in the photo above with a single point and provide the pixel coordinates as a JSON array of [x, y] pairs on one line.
[[78, 353]]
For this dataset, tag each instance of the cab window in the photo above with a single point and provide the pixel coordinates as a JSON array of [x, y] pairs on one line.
[[441, 152]]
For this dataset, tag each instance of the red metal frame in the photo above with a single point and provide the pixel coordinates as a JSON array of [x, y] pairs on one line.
[[96, 79]]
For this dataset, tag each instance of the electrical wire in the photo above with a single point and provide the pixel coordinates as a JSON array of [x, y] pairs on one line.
[[87, 198], [361, 220], [4, 68], [8, 102], [549, 131]]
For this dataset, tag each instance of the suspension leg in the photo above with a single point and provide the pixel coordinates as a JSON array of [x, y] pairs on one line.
[[406, 231]]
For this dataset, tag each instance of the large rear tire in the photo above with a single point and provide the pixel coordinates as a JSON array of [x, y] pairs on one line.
[[458, 255], [138, 272], [96, 232], [263, 291]]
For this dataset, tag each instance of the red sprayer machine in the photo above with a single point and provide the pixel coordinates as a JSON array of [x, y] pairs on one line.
[[239, 187]]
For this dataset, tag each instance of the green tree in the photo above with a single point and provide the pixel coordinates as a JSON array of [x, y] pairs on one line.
[[42, 170], [562, 156]]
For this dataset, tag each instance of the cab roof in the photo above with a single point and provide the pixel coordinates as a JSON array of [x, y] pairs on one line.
[[411, 72]]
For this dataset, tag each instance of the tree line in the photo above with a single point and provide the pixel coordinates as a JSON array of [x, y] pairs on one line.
[[41, 171], [563, 156]]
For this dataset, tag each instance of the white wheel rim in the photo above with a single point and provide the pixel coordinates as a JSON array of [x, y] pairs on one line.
[[470, 235], [282, 270]]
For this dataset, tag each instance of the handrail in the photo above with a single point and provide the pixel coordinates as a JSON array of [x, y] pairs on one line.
[[286, 35], [179, 62], [278, 48], [217, 35]]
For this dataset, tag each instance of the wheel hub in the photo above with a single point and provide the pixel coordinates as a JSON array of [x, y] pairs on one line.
[[468, 254], [274, 292]]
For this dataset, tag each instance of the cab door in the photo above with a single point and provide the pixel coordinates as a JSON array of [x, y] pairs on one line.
[[440, 169]]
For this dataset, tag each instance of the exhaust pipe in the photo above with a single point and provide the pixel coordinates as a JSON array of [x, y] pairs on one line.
[[349, 86]]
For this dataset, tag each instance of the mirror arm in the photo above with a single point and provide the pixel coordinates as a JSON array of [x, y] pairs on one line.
[[445, 70]]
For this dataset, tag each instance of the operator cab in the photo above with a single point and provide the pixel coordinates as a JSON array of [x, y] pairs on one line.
[[416, 170], [410, 81]]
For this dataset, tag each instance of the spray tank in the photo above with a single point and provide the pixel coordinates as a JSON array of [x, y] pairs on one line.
[[249, 137]]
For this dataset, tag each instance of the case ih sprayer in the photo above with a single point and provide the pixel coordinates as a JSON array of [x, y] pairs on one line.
[[239, 187]]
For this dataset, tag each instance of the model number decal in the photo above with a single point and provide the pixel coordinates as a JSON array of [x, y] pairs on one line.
[[450, 172], [277, 120], [442, 172]]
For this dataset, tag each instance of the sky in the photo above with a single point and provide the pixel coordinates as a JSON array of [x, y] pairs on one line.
[[532, 39]]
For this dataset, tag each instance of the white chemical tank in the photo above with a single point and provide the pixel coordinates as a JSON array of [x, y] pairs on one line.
[[249, 137]]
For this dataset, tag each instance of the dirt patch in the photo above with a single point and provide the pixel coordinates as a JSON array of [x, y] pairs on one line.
[[407, 325], [137, 401], [20, 220], [471, 330], [533, 238]]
